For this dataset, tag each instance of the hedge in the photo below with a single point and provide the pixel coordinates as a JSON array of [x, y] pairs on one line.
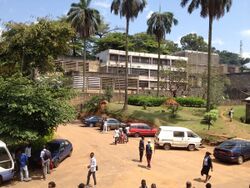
[[142, 100], [191, 101]]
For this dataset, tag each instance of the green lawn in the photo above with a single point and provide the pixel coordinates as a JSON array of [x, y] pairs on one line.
[[187, 117]]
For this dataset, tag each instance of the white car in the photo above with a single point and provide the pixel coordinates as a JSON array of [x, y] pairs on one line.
[[6, 163], [169, 136]]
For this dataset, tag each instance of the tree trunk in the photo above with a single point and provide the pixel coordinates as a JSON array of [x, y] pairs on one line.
[[158, 67], [125, 106], [84, 66], [74, 48], [209, 62]]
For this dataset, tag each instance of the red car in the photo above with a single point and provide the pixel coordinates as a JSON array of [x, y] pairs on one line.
[[141, 129]]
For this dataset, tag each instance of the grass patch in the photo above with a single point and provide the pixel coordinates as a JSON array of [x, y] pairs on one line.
[[188, 117]]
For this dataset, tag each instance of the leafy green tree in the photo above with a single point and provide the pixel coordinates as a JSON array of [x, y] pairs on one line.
[[85, 20], [110, 41], [32, 109], [130, 10], [213, 9], [231, 58], [159, 24], [34, 46], [193, 42]]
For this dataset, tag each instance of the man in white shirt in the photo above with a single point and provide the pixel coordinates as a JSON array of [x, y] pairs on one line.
[[116, 135], [92, 168], [45, 156], [105, 126]]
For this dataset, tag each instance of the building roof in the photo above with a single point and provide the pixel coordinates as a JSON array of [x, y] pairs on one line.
[[142, 54]]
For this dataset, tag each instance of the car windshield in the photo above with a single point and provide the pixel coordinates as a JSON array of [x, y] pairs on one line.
[[5, 161], [52, 147], [228, 145]]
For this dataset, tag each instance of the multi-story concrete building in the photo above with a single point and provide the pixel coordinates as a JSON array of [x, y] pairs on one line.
[[142, 64]]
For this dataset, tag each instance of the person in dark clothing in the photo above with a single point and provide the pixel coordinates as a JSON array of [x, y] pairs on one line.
[[81, 185], [188, 184], [141, 148], [149, 153], [153, 185], [206, 166]]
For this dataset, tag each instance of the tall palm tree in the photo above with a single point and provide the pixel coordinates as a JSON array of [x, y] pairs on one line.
[[159, 24], [213, 9], [130, 10], [85, 20]]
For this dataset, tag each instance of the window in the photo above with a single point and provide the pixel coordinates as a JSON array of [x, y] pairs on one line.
[[66, 143], [113, 57], [136, 59], [178, 134], [145, 60], [5, 161], [191, 135]]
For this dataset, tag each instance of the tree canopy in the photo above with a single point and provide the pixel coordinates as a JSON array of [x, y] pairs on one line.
[[194, 42], [32, 109], [35, 45]]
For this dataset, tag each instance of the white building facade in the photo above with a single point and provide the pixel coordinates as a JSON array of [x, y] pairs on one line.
[[144, 65]]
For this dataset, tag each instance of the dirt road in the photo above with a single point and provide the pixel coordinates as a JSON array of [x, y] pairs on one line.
[[119, 166]]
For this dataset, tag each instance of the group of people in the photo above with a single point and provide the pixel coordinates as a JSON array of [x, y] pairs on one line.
[[189, 185], [149, 151], [206, 165], [121, 135], [144, 184]]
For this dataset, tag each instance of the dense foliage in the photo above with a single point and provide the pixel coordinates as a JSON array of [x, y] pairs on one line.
[[193, 42], [32, 109], [143, 100], [210, 117], [34, 46], [191, 101]]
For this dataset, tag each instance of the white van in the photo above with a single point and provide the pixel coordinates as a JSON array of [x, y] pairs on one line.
[[168, 136], [6, 163]]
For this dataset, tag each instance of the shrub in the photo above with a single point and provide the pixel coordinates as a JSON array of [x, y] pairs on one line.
[[92, 105], [172, 106], [143, 100], [191, 101], [210, 117]]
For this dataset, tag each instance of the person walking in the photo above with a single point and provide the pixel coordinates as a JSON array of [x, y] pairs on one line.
[[143, 184], [105, 126], [149, 152], [92, 168], [206, 166], [141, 148], [23, 162], [230, 114], [45, 156], [116, 135]]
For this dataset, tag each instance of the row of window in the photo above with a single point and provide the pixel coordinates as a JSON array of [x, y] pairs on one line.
[[137, 59]]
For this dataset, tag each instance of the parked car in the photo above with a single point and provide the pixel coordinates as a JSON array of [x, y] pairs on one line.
[[141, 129], [6, 163], [113, 124], [60, 149], [234, 150], [92, 121], [169, 136]]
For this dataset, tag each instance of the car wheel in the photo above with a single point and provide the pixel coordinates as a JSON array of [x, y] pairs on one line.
[[240, 160], [137, 135], [1, 180], [167, 146], [91, 125], [191, 147], [56, 163]]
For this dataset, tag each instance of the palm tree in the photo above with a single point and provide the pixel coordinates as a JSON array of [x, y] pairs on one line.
[[85, 20], [213, 9], [159, 24], [130, 10]]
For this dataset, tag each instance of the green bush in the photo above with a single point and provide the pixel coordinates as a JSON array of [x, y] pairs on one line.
[[191, 101], [92, 105], [143, 100], [210, 117]]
